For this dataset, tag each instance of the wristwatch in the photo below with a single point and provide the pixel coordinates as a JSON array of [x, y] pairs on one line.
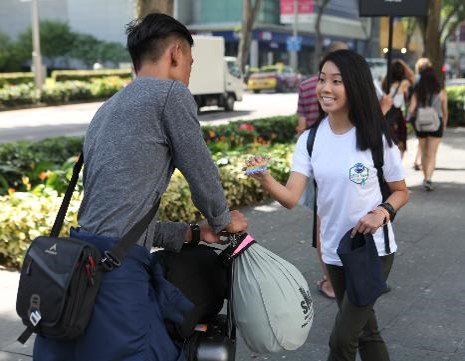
[[195, 230], [388, 206]]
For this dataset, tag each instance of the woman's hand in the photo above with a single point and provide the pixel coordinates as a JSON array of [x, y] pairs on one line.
[[256, 167], [370, 222]]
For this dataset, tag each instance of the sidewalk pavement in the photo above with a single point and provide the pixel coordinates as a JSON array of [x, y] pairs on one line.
[[422, 318]]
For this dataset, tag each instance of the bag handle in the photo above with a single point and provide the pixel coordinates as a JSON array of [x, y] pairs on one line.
[[114, 257]]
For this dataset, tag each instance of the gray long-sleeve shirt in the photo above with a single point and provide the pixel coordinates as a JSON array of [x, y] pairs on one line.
[[132, 146]]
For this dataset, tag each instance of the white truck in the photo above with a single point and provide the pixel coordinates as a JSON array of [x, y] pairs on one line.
[[215, 79]]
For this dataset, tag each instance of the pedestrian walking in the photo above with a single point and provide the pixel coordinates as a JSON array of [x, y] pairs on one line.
[[133, 144], [349, 195], [402, 78], [428, 104], [420, 65]]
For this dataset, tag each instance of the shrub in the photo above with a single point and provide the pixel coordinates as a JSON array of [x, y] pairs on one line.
[[456, 105], [272, 130], [26, 215], [16, 78], [17, 95], [22, 163], [87, 75]]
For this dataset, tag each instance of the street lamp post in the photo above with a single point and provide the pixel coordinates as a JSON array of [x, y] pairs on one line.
[[36, 55]]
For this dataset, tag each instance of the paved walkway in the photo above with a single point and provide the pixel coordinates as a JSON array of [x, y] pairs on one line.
[[422, 319]]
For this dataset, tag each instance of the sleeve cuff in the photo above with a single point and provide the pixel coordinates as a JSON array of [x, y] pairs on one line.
[[220, 222]]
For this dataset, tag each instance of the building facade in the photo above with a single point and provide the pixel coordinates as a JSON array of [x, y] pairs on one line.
[[270, 33], [105, 19]]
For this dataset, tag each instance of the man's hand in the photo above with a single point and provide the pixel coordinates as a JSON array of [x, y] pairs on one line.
[[207, 234], [238, 223]]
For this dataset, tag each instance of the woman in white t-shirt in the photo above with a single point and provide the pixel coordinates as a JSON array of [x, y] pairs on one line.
[[349, 195]]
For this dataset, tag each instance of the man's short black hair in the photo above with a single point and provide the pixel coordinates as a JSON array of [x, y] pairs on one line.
[[147, 37]]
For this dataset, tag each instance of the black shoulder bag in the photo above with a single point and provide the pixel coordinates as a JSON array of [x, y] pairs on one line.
[[60, 276]]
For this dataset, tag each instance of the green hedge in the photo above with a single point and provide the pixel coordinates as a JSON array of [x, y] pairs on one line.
[[456, 105], [16, 78], [26, 215], [87, 75], [60, 93], [31, 159], [22, 163]]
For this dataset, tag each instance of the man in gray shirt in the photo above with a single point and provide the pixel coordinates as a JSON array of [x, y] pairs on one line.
[[133, 144]]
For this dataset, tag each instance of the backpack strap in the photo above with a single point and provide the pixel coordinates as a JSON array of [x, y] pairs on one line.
[[114, 257], [310, 142], [378, 161]]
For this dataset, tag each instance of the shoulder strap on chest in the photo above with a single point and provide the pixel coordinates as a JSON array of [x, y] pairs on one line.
[[311, 137], [310, 143], [378, 161]]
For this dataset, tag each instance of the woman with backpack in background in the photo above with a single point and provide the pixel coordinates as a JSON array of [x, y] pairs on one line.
[[349, 194], [428, 93], [402, 78]]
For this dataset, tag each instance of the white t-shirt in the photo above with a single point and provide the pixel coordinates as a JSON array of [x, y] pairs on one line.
[[347, 182]]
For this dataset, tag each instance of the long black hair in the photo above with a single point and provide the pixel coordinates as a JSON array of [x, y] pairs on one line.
[[427, 87], [398, 73], [364, 109], [147, 37]]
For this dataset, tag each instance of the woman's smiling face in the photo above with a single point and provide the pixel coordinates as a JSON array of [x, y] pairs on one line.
[[331, 91]]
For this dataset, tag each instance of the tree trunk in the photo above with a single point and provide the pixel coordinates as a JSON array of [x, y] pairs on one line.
[[318, 36], [249, 13], [433, 49], [145, 7]]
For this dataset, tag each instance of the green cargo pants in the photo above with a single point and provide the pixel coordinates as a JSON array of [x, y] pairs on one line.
[[355, 327]]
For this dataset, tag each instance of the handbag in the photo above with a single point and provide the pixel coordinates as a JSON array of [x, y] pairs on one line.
[[60, 276], [365, 280], [271, 302]]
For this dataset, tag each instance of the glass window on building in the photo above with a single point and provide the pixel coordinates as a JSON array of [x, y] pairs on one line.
[[214, 11], [269, 12]]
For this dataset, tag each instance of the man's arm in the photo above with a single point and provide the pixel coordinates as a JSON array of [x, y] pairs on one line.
[[192, 156]]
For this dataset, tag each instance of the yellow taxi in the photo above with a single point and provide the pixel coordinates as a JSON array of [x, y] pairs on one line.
[[279, 77]]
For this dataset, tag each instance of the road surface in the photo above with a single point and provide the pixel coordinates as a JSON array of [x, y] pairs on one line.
[[72, 120]]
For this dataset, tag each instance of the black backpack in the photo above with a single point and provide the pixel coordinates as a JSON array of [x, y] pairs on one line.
[[378, 161]]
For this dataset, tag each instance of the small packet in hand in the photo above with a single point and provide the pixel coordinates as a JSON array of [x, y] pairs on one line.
[[257, 165]]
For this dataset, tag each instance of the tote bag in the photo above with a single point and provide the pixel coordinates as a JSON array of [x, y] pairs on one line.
[[272, 304], [363, 271]]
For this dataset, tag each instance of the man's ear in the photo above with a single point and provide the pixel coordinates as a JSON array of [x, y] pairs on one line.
[[174, 53]]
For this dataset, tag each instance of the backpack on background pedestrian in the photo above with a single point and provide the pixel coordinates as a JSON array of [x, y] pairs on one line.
[[429, 114], [349, 192], [133, 144], [401, 81]]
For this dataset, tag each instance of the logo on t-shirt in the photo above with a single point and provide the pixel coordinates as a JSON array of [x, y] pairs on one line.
[[358, 174]]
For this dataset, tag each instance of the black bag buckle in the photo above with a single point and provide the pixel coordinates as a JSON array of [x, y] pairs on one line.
[[109, 261]]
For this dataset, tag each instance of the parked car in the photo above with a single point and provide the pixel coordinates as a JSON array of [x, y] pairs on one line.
[[378, 67], [455, 82], [279, 77]]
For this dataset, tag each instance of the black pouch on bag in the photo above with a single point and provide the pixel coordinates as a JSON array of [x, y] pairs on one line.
[[199, 274], [58, 285], [363, 271]]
